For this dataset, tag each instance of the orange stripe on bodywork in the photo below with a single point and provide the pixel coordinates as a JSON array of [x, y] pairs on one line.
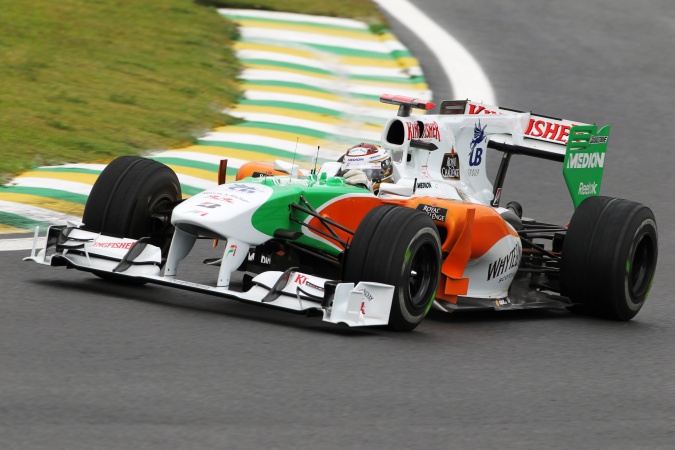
[[260, 167], [468, 232], [348, 212]]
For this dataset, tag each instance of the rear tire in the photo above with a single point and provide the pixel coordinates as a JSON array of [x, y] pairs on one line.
[[126, 196], [400, 247], [609, 257]]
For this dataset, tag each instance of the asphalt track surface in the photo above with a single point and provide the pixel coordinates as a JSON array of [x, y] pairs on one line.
[[86, 364]]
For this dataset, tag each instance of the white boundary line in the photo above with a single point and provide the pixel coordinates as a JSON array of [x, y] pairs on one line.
[[466, 77], [7, 245]]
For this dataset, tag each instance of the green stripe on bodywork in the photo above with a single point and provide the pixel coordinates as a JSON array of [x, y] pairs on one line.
[[48, 193], [274, 214]]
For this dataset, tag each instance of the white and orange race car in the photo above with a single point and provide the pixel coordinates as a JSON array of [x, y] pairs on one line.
[[308, 242]]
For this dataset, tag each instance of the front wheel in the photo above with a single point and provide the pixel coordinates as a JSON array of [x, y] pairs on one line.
[[400, 247], [132, 198], [609, 257]]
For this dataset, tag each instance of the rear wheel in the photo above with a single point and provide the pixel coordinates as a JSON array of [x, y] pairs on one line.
[[400, 247], [609, 257], [132, 198]]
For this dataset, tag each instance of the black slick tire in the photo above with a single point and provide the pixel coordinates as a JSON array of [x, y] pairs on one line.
[[401, 247], [130, 198], [609, 257]]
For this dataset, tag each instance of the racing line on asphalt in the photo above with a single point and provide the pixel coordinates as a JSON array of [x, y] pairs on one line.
[[309, 82]]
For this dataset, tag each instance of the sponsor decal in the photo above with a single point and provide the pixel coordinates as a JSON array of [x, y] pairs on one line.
[[430, 131], [227, 197], [436, 213], [586, 160], [502, 302], [232, 250], [476, 154], [220, 198], [122, 245], [264, 259], [588, 189], [300, 279], [313, 286], [450, 165], [498, 197], [243, 188], [199, 213], [424, 185], [502, 265], [269, 173], [209, 205], [553, 130], [358, 151], [599, 139], [369, 297], [548, 130]]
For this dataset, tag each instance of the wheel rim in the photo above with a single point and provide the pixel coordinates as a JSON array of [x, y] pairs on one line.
[[422, 276], [641, 267]]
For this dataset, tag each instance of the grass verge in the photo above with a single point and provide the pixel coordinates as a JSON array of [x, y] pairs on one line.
[[88, 80]]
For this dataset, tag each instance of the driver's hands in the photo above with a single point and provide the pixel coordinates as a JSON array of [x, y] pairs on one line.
[[356, 177]]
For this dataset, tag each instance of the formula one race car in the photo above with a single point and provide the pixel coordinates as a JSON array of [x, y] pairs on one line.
[[310, 243]]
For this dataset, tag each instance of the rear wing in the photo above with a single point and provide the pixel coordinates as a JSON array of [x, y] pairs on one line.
[[579, 146]]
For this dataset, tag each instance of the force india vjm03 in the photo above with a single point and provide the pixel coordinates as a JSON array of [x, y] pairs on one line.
[[436, 236]]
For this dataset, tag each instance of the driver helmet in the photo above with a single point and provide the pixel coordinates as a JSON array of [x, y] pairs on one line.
[[371, 159]]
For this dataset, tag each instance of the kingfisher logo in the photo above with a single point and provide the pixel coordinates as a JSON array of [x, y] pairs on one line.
[[476, 154], [431, 130], [586, 160]]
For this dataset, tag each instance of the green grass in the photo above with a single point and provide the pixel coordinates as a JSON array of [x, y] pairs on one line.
[[88, 80]]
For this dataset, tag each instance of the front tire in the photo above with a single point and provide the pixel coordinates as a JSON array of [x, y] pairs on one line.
[[132, 198], [127, 194], [400, 247], [609, 257]]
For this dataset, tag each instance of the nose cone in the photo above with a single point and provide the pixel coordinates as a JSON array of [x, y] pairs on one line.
[[224, 211]]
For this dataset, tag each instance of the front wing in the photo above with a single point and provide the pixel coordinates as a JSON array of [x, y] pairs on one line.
[[363, 304]]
